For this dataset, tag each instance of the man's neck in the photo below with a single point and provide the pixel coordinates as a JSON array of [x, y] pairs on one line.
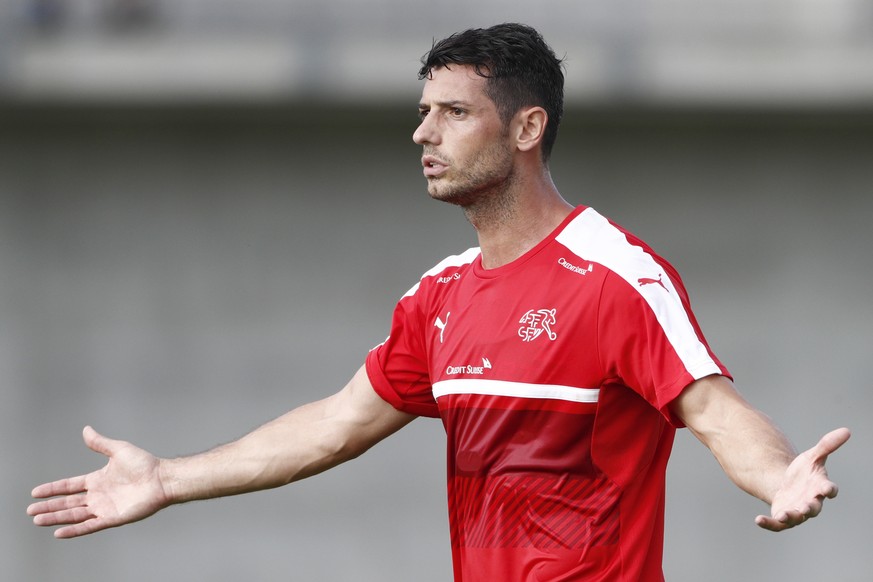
[[513, 223]]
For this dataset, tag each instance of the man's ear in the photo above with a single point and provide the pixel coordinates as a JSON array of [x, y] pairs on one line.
[[530, 127]]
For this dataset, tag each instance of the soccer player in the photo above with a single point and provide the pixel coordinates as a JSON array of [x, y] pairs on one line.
[[561, 355]]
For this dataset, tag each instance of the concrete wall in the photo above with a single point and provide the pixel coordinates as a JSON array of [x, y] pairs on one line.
[[176, 278]]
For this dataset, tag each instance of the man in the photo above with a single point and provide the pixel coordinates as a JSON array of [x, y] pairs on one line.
[[561, 355]]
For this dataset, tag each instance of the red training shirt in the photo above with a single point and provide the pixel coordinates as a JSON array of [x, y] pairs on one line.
[[552, 376]]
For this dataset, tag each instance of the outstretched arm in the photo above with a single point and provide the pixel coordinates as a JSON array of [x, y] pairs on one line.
[[135, 484], [756, 455]]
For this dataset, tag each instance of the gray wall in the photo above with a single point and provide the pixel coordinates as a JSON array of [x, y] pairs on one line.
[[176, 278]]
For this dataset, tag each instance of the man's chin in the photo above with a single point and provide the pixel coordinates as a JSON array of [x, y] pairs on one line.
[[447, 195]]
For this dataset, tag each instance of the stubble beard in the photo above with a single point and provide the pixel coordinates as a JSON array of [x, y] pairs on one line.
[[484, 188]]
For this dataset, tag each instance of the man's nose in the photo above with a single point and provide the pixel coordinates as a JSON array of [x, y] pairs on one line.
[[425, 133]]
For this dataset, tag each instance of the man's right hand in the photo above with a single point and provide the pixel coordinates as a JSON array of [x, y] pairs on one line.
[[126, 490]]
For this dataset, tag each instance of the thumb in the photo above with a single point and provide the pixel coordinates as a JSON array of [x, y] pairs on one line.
[[99, 443], [830, 443]]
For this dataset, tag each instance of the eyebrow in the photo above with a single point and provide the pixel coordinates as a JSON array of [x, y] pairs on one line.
[[445, 104]]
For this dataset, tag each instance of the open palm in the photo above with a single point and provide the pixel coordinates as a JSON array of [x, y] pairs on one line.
[[126, 490]]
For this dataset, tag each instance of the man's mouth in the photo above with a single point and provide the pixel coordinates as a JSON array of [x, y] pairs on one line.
[[433, 166]]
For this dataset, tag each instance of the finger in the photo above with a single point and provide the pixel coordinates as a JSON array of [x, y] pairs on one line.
[[831, 442], [780, 523], [814, 509], [788, 519], [57, 504], [799, 516], [80, 529], [65, 517], [829, 490], [771, 524], [69, 486]]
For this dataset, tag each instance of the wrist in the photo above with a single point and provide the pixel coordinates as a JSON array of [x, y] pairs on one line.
[[172, 485]]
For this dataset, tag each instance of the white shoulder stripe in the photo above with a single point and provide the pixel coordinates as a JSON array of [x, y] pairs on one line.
[[592, 237], [464, 258], [515, 390]]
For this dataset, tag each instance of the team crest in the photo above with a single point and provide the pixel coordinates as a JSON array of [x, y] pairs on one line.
[[536, 322]]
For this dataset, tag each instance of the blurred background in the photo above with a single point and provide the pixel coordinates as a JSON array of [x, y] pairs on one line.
[[209, 208]]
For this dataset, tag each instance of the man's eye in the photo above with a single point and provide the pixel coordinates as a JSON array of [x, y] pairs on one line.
[[457, 112]]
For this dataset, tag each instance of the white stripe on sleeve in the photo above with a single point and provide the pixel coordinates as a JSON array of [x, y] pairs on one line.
[[593, 238]]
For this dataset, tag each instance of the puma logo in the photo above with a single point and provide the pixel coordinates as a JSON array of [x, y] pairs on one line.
[[441, 325], [648, 281]]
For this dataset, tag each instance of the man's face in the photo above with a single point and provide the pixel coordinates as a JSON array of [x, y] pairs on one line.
[[466, 149]]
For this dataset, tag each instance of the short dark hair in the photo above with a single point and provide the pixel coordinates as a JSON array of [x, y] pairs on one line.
[[520, 68]]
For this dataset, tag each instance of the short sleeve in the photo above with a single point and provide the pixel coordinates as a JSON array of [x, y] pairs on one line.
[[649, 340], [398, 367]]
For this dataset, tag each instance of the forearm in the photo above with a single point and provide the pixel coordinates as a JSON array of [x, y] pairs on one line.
[[751, 449], [299, 444], [296, 445]]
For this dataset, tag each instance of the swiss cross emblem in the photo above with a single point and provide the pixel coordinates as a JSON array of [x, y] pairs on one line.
[[535, 322]]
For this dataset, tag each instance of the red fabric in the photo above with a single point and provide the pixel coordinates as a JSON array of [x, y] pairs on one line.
[[554, 375]]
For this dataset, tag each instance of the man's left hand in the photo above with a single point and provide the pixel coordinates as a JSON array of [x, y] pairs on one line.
[[805, 485]]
